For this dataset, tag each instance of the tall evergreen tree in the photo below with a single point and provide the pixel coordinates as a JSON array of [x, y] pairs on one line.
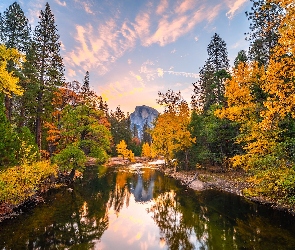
[[210, 87], [265, 17], [120, 128], [240, 58], [146, 136], [15, 33], [49, 67]]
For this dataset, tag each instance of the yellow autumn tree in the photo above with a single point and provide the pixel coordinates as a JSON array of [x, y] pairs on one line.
[[280, 75], [261, 99], [8, 80], [170, 134], [146, 150], [244, 106], [123, 151]]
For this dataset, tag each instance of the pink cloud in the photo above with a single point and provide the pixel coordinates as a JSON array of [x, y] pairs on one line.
[[162, 7], [234, 6], [185, 6]]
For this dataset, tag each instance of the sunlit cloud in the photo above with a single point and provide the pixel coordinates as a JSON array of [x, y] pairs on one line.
[[234, 6], [185, 6], [129, 61], [71, 73], [142, 26], [129, 86], [213, 13], [34, 11], [162, 7], [148, 69], [196, 38], [62, 46], [86, 5], [160, 72], [173, 51], [98, 47], [61, 3]]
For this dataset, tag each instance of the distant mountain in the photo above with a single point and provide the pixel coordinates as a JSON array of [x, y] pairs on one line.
[[143, 114]]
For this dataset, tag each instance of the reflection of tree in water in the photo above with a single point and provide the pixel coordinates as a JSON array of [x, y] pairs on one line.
[[206, 220], [120, 195], [81, 214], [168, 216]]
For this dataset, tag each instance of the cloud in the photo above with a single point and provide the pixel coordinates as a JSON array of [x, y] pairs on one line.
[[234, 6], [129, 61], [148, 70], [131, 85], [185, 6], [142, 25], [71, 73], [61, 3], [160, 72], [162, 7], [196, 38], [213, 12], [62, 46], [34, 8], [173, 51], [177, 73], [98, 47]]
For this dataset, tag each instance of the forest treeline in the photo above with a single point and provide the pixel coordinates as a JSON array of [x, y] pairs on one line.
[[240, 116]]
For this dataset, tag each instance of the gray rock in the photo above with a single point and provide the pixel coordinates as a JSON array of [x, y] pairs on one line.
[[142, 114]]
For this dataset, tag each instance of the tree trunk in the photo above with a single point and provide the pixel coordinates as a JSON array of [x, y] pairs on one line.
[[8, 107], [38, 121]]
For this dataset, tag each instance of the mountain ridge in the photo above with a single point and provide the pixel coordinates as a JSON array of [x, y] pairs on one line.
[[142, 114]]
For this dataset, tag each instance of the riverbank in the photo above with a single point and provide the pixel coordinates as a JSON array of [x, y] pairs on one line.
[[9, 210], [235, 181], [232, 181]]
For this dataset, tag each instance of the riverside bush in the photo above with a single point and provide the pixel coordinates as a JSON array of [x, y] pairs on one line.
[[17, 184], [275, 183]]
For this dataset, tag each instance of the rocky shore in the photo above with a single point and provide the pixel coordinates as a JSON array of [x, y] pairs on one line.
[[232, 181]]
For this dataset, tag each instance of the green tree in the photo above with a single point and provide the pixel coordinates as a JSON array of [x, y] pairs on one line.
[[15, 33], [146, 136], [265, 17], [49, 67], [120, 128], [81, 126], [241, 58], [210, 87]]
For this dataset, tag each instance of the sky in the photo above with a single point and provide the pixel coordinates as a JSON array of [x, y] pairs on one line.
[[135, 48]]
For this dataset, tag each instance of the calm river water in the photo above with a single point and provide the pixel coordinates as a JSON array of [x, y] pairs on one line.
[[123, 208]]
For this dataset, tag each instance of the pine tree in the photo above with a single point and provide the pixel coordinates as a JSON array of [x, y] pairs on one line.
[[146, 136], [15, 28], [241, 58], [15, 33], [210, 87], [49, 67], [265, 17], [120, 128]]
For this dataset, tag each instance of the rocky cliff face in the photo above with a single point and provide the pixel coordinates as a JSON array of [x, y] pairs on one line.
[[141, 115]]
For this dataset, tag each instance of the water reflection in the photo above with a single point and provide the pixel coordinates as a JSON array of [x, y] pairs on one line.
[[142, 209]]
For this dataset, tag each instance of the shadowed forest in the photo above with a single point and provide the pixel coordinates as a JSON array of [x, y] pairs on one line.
[[240, 116]]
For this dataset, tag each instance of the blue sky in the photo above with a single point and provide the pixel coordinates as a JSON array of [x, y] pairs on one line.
[[135, 48]]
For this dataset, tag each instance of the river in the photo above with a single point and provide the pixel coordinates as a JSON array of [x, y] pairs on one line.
[[140, 208]]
